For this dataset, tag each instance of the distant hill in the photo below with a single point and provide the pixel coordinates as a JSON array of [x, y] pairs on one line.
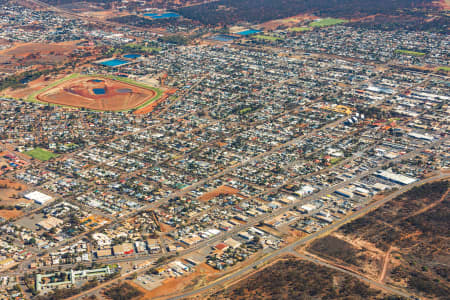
[[232, 11]]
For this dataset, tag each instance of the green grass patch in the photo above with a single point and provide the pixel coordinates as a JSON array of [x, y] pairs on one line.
[[327, 22], [133, 48], [245, 110], [299, 29], [335, 160], [446, 69], [41, 154], [409, 52], [266, 37]]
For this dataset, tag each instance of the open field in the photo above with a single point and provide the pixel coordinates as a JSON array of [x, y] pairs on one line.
[[221, 190], [36, 53], [447, 69], [327, 22], [97, 92], [409, 52], [299, 29], [9, 195], [298, 279], [9, 214], [289, 22], [266, 37], [404, 243], [41, 154]]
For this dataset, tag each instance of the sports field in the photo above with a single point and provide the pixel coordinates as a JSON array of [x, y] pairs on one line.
[[447, 69], [327, 22], [97, 92], [41, 154], [266, 37], [299, 29], [409, 52]]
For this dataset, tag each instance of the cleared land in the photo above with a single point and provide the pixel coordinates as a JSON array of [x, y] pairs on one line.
[[327, 22], [104, 93], [41, 154], [9, 198], [37, 53], [221, 190]]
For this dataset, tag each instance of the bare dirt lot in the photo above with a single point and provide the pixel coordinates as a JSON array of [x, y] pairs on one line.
[[97, 93], [221, 190], [9, 197], [36, 53]]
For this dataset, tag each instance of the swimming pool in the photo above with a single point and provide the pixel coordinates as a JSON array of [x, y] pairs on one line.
[[114, 62], [162, 16], [132, 56], [224, 38], [249, 32]]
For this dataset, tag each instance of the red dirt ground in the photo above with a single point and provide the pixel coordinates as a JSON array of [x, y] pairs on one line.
[[221, 190], [79, 92], [9, 214]]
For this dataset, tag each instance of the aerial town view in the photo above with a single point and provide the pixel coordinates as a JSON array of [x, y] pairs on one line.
[[224, 149]]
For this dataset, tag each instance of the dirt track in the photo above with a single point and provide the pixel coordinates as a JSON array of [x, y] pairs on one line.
[[114, 95]]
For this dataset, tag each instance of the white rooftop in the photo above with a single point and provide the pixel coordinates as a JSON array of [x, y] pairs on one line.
[[38, 197]]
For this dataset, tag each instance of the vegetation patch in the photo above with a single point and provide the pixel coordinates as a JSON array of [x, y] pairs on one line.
[[417, 225], [41, 154], [333, 247], [297, 279], [267, 37], [133, 48], [123, 291], [409, 52], [446, 69], [327, 22], [299, 29]]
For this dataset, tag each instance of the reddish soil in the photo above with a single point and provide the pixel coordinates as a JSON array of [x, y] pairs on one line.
[[27, 54], [9, 192], [172, 286], [79, 92], [288, 22], [221, 190], [9, 214]]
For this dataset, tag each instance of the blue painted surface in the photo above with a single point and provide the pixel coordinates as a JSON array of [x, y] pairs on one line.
[[97, 80], [132, 56], [162, 16], [99, 91], [114, 62], [224, 38], [249, 32]]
